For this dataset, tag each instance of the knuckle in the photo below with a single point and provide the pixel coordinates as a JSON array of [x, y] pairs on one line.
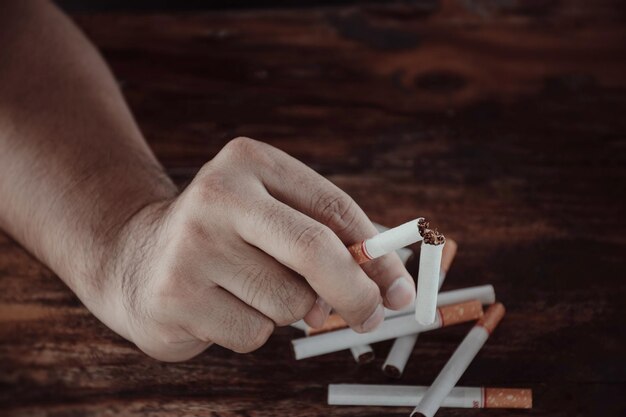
[[310, 241], [336, 210], [292, 300], [241, 147], [253, 335], [256, 283]]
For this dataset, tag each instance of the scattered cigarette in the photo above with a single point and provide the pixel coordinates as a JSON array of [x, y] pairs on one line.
[[399, 355], [400, 326], [404, 395], [428, 276], [386, 242], [363, 353], [458, 362], [483, 293]]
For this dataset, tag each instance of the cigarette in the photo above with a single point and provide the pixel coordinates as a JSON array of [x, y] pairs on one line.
[[428, 276], [400, 326], [483, 293], [459, 361], [399, 355], [300, 325], [403, 253], [447, 257], [362, 353], [410, 396], [386, 242]]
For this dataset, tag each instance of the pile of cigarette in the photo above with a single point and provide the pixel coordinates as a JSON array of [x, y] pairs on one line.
[[432, 310]]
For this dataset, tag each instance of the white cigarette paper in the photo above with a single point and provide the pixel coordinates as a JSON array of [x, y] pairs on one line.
[[362, 353], [387, 242], [399, 355], [483, 293], [400, 326], [410, 396], [403, 253], [428, 283], [458, 362], [398, 237]]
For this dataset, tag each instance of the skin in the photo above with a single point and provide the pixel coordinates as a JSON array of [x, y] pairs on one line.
[[257, 240]]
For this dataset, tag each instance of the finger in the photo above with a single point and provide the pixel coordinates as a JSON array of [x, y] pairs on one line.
[[264, 284], [300, 187], [317, 315], [315, 252], [227, 321]]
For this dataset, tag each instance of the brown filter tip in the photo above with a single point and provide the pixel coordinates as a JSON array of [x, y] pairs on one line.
[[366, 357], [448, 253], [508, 398], [392, 371], [357, 250], [459, 313], [492, 317], [333, 322]]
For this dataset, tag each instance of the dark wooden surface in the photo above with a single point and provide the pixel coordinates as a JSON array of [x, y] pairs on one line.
[[503, 122]]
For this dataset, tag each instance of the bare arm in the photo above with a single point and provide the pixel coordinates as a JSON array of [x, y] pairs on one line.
[[73, 164], [239, 251]]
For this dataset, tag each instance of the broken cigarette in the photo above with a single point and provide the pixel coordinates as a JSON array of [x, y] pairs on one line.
[[404, 395], [459, 361], [362, 353], [386, 242], [400, 326], [428, 276], [403, 346], [483, 293]]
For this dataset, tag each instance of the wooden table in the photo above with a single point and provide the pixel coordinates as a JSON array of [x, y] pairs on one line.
[[502, 122]]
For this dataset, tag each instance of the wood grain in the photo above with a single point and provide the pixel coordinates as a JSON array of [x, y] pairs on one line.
[[501, 121]]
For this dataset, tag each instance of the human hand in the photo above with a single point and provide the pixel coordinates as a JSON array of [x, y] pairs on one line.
[[248, 245]]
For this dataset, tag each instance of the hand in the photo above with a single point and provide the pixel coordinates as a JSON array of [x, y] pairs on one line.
[[249, 245]]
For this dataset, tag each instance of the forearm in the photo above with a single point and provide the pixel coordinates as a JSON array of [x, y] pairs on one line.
[[73, 165]]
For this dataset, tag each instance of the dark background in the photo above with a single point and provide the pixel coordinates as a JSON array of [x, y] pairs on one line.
[[501, 121]]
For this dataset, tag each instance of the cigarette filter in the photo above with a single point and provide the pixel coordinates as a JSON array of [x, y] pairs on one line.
[[428, 277], [399, 355], [363, 353], [458, 362], [404, 395], [388, 241], [400, 326], [483, 293]]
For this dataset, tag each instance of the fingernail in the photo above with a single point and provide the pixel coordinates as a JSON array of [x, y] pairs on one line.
[[400, 293], [374, 320]]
